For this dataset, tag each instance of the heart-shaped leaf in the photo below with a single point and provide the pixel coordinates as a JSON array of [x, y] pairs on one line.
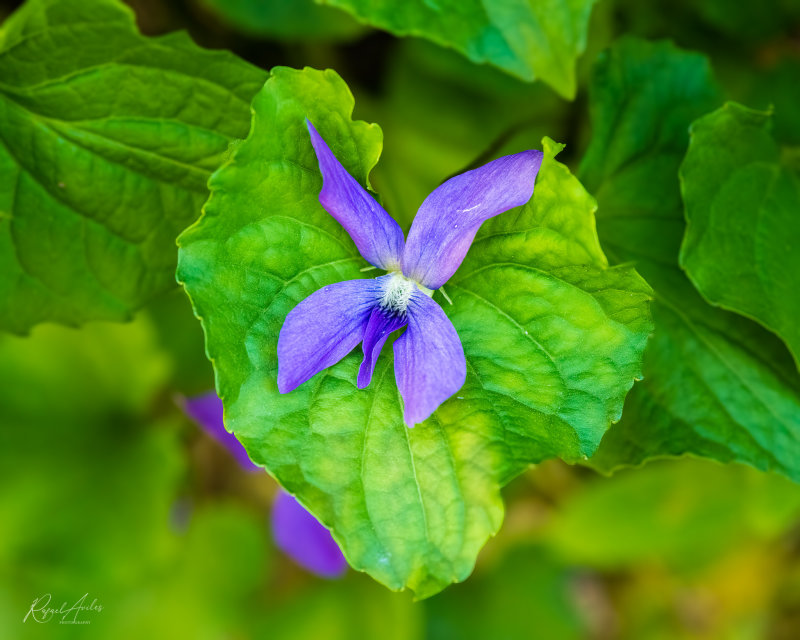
[[553, 341]]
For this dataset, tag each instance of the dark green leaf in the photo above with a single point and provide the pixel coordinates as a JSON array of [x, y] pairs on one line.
[[742, 203], [715, 384]]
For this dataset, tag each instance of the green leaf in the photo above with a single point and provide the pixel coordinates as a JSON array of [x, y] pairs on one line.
[[107, 140], [553, 341], [715, 384], [742, 206], [525, 38], [288, 20]]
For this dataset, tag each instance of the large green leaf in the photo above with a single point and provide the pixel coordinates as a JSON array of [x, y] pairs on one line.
[[107, 140], [742, 207], [553, 341], [527, 38], [715, 384]]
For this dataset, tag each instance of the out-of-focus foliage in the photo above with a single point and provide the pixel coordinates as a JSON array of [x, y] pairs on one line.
[[108, 139], [543, 380], [774, 86], [179, 333], [742, 202], [682, 549], [291, 20], [94, 485], [703, 20], [715, 384], [527, 39], [524, 593], [686, 515]]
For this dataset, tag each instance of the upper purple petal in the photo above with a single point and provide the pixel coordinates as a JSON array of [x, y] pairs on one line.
[[380, 325], [378, 237], [429, 363], [301, 537], [450, 216], [206, 411], [323, 329]]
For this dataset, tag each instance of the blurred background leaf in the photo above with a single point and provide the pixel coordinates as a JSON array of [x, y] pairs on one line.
[[287, 20]]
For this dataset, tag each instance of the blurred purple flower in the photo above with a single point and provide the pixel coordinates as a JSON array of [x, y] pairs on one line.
[[206, 411], [429, 358], [297, 533], [301, 537]]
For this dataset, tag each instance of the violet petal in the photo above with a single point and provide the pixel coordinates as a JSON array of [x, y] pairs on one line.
[[323, 329], [206, 411], [379, 326], [429, 363], [377, 236], [450, 216], [301, 537]]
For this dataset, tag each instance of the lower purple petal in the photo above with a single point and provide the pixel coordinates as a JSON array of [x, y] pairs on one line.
[[429, 360], [323, 329], [301, 537], [206, 411], [380, 325]]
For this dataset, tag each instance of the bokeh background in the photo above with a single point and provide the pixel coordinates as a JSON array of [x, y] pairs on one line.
[[107, 488]]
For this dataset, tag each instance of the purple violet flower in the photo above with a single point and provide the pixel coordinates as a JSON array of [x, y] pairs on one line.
[[297, 533], [429, 358]]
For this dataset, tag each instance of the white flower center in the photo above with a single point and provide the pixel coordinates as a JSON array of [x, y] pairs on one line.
[[397, 291]]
